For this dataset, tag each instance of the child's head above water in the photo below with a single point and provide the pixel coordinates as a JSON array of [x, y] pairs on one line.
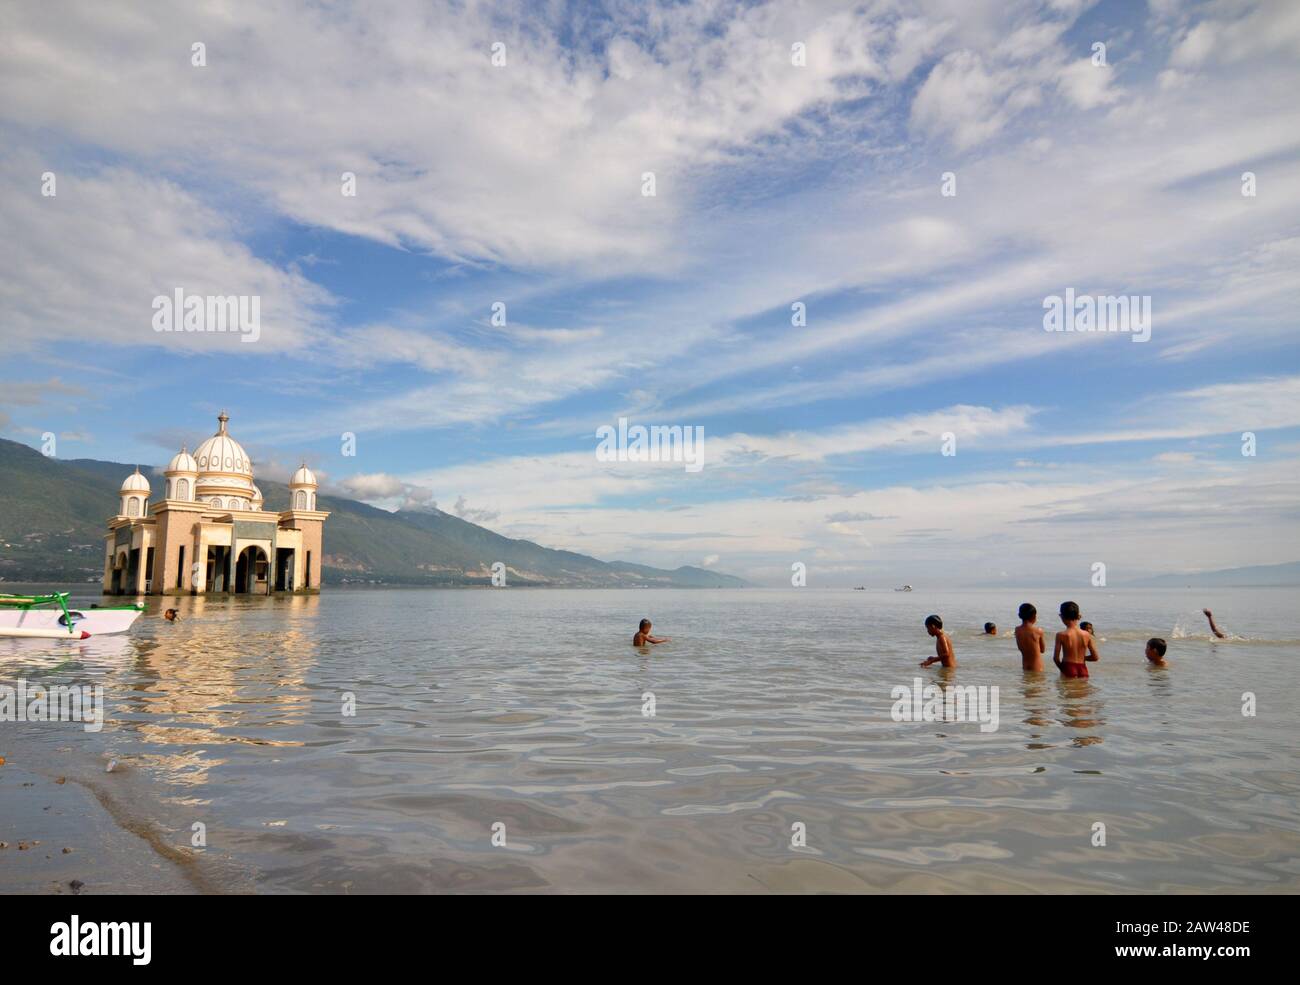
[[1156, 648], [990, 629], [1028, 613], [934, 625], [645, 625], [1069, 611], [1086, 627]]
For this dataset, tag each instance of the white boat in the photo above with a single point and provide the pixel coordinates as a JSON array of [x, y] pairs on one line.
[[905, 588], [49, 616]]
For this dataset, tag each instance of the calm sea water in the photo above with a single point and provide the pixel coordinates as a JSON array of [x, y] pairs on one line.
[[772, 710]]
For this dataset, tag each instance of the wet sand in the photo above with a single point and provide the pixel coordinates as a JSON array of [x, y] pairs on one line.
[[75, 846]]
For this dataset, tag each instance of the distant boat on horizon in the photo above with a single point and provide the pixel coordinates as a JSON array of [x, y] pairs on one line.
[[905, 588]]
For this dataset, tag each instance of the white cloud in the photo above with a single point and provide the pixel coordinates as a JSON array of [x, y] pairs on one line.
[[537, 163], [1240, 30], [88, 262], [1031, 520], [1223, 408], [1087, 85], [963, 99], [385, 490]]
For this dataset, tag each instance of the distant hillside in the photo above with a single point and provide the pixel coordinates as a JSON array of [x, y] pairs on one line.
[[534, 562], [52, 516], [1256, 576]]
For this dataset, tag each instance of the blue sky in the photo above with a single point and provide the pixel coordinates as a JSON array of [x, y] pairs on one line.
[[776, 183]]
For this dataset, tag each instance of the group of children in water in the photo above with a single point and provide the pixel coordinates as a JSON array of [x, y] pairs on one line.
[[1076, 645]]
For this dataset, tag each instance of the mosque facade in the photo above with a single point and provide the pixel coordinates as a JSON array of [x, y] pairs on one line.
[[209, 533]]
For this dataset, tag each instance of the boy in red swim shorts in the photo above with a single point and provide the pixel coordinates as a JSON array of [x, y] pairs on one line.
[[1074, 644]]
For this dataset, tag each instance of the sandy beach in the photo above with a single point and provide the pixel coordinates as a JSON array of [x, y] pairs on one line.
[[60, 837]]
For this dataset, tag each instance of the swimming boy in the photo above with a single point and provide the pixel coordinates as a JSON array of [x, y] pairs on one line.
[[1213, 628], [942, 644], [643, 636], [1076, 645], [990, 629], [1029, 639], [1156, 648], [170, 615], [1086, 627]]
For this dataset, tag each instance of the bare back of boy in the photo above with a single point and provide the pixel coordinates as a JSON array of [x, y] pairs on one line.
[[1032, 645], [1073, 645]]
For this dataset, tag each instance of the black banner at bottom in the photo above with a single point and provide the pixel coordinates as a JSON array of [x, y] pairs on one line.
[[139, 935]]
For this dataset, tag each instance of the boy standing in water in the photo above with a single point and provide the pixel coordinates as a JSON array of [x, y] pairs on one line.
[[1076, 645], [1029, 639], [1156, 648], [942, 644], [643, 636]]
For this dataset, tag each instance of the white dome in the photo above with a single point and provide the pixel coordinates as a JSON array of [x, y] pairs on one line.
[[183, 462], [303, 477], [224, 467], [135, 483], [222, 453]]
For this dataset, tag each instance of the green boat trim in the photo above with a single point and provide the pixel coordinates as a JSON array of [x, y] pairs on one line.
[[35, 601]]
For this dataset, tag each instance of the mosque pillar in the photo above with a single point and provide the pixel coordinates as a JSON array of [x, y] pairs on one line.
[[199, 567], [108, 563], [140, 544]]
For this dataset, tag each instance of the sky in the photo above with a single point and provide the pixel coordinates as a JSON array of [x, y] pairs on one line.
[[858, 214]]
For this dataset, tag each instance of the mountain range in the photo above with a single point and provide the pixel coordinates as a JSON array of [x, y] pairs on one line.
[[53, 514]]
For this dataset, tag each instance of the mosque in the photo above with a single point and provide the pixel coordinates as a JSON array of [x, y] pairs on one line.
[[209, 532]]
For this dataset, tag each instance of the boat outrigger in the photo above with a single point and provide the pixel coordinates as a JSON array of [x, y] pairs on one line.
[[48, 617]]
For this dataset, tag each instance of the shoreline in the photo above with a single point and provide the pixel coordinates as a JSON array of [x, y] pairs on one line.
[[64, 837]]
